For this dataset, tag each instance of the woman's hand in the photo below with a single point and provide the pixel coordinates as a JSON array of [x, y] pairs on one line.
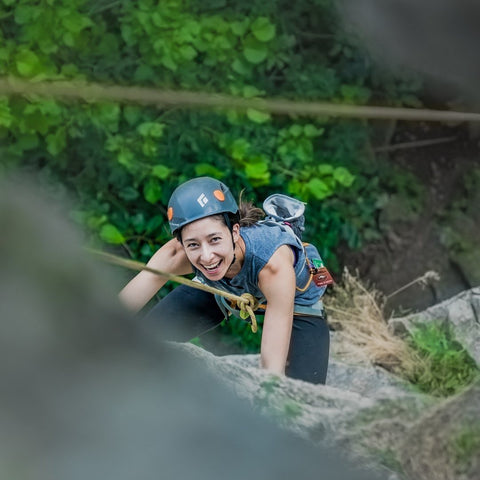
[[277, 282], [170, 258]]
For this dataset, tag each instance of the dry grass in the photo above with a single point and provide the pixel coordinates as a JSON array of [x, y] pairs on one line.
[[356, 313]]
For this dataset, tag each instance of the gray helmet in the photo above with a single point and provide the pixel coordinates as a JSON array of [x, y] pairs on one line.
[[199, 198]]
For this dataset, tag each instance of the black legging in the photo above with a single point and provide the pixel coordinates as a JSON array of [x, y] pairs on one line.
[[186, 313]]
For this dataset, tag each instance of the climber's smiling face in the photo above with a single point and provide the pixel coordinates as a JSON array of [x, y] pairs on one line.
[[208, 246]]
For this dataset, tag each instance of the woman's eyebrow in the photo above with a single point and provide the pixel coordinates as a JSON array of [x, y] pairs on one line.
[[210, 235]]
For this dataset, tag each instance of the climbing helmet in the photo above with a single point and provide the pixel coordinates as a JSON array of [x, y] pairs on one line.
[[199, 198]]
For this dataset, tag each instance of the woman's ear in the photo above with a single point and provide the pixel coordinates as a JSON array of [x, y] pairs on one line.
[[236, 232]]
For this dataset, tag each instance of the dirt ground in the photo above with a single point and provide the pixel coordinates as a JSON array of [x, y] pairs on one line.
[[413, 246]]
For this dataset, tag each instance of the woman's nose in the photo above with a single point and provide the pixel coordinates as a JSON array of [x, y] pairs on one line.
[[206, 253]]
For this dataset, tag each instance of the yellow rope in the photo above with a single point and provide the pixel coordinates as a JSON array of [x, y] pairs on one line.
[[246, 302], [246, 310], [97, 92]]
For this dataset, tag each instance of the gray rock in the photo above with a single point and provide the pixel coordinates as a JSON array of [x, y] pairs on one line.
[[374, 415], [362, 410], [445, 443], [461, 312]]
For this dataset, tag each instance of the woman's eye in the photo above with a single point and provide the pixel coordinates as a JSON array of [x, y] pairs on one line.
[[216, 239], [191, 245]]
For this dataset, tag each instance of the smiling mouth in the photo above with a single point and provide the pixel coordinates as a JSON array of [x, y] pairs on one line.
[[211, 268]]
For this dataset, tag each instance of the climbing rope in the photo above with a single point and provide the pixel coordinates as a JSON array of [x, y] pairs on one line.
[[246, 302]]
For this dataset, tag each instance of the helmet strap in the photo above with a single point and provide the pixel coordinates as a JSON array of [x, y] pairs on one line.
[[229, 224]]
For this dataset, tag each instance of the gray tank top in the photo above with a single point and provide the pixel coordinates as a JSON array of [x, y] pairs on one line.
[[261, 242]]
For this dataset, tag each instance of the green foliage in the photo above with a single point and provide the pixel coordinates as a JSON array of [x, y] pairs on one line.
[[445, 368], [121, 162], [238, 335]]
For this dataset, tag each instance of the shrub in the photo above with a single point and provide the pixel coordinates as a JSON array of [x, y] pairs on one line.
[[445, 367]]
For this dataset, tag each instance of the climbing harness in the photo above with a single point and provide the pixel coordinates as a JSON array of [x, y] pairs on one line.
[[230, 307], [246, 302]]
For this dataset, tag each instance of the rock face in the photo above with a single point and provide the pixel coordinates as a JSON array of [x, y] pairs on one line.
[[461, 312], [445, 443], [372, 414]]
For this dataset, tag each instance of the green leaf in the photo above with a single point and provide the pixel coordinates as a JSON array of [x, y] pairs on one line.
[[144, 73], [107, 116], [263, 30], [69, 70], [25, 14], [312, 131], [239, 148], [75, 23], [27, 141], [5, 115], [241, 67], [56, 142], [257, 116], [27, 63], [4, 54], [187, 52], [138, 222], [128, 35], [128, 194], [68, 39], [254, 51], [249, 91], [325, 169], [205, 169], [151, 129], [147, 250], [126, 158], [161, 171], [152, 191], [167, 62], [132, 114], [154, 222], [257, 169], [239, 28], [110, 234], [295, 130], [343, 176], [318, 188]]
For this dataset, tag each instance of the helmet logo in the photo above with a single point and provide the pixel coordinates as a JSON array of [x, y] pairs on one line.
[[170, 213], [202, 200], [219, 195]]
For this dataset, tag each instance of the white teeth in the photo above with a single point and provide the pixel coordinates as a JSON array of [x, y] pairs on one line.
[[212, 267]]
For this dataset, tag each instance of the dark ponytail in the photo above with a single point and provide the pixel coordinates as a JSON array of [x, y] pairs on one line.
[[249, 214]]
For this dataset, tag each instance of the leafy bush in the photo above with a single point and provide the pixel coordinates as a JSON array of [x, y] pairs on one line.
[[445, 367], [121, 162]]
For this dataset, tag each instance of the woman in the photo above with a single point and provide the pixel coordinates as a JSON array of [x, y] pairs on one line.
[[232, 249]]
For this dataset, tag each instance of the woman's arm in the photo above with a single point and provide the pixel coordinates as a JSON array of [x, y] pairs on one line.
[[169, 258], [277, 282]]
